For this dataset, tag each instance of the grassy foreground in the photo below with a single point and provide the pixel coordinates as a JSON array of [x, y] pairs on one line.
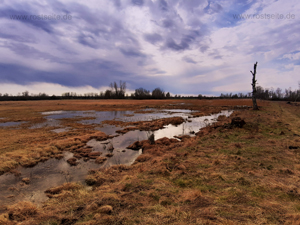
[[246, 175]]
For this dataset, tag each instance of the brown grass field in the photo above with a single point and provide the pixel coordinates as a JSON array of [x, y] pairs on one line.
[[224, 175]]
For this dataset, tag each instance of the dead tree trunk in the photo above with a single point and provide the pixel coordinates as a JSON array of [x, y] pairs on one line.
[[255, 107]]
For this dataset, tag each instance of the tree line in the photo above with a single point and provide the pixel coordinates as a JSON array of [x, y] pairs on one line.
[[118, 91]]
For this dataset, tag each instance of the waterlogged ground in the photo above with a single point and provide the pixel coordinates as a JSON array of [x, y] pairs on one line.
[[53, 118], [222, 175], [30, 183]]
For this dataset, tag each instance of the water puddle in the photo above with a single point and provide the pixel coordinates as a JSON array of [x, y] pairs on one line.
[[47, 123], [53, 112], [179, 110], [10, 124], [55, 172], [53, 117], [108, 129]]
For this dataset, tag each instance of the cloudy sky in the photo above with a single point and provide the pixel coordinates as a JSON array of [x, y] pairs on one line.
[[183, 46]]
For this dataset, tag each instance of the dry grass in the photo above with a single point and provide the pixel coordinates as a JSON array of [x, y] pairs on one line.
[[222, 176], [27, 147]]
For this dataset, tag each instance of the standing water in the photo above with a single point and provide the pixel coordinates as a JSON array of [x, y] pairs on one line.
[[55, 172]]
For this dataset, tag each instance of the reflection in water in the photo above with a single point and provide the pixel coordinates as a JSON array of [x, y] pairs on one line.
[[188, 128], [109, 129], [53, 173], [56, 172]]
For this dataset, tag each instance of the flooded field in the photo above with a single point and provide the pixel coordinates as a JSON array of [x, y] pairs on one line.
[[31, 183], [149, 162]]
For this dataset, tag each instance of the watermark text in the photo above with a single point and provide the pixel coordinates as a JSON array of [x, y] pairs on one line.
[[53, 17], [266, 16]]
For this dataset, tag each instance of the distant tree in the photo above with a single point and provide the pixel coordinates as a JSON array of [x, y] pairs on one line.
[[278, 93], [118, 91], [200, 96], [158, 93], [168, 95], [25, 93], [241, 95], [122, 88], [234, 96], [108, 94], [43, 95], [66, 94], [255, 107], [142, 93]]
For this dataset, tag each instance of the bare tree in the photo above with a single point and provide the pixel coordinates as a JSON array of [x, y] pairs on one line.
[[118, 91], [279, 93], [255, 107], [122, 89]]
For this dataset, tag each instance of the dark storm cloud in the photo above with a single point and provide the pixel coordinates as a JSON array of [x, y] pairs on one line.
[[163, 5], [131, 52], [117, 3], [189, 60], [30, 52], [10, 13], [153, 38], [106, 38], [157, 71], [84, 13], [137, 2], [97, 73], [167, 23], [18, 38], [100, 71], [186, 41], [171, 44], [101, 30], [203, 48], [191, 36], [96, 30], [24, 75], [215, 54], [88, 40], [104, 31]]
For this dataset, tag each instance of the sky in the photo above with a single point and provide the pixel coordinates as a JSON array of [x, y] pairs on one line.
[[184, 47]]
